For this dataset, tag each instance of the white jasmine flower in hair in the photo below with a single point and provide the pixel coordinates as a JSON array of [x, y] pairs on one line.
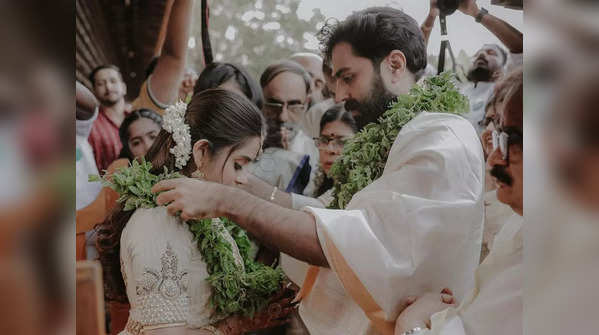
[[174, 122]]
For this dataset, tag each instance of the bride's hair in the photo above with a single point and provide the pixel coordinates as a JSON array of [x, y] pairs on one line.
[[224, 118]]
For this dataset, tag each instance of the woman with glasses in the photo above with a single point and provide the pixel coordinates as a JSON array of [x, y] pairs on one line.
[[337, 126]]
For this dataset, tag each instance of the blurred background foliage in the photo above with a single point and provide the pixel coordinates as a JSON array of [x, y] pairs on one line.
[[254, 33]]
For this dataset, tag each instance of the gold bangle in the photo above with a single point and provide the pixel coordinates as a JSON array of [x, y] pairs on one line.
[[272, 195]]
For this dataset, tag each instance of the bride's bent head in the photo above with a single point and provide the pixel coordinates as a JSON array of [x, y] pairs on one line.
[[226, 134]]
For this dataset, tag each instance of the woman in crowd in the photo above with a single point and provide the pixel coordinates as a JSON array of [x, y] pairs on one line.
[[336, 127], [150, 259]]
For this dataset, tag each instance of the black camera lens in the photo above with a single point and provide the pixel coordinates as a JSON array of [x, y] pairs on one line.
[[448, 7]]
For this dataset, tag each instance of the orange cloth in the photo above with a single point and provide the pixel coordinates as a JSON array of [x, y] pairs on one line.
[[352, 285], [309, 281], [96, 212], [80, 253]]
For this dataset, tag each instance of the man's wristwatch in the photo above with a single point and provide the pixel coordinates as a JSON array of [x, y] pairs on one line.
[[481, 13]]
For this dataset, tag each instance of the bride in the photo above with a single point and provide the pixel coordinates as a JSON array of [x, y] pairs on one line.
[[151, 259]]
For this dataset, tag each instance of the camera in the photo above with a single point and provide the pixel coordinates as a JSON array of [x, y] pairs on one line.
[[448, 7]]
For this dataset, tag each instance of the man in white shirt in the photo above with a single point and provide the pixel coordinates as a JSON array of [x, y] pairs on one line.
[[291, 160], [494, 306], [407, 232]]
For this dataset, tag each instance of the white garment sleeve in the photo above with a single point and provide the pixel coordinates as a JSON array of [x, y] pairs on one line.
[[299, 201], [421, 221], [84, 127]]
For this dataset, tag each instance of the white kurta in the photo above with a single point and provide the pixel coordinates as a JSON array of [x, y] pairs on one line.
[[496, 214], [277, 167], [415, 229], [494, 306]]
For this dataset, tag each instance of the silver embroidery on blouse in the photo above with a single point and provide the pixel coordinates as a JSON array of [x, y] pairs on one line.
[[169, 281], [162, 295]]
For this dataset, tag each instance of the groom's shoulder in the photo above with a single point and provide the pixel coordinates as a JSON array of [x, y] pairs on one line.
[[448, 130], [426, 122]]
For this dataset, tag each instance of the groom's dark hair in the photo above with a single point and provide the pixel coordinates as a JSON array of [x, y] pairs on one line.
[[373, 33]]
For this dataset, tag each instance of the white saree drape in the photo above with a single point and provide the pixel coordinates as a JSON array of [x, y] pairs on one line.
[[415, 229]]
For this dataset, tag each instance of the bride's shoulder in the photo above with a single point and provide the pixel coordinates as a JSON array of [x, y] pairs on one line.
[[155, 214], [154, 220]]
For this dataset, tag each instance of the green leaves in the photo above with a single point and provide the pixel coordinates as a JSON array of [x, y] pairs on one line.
[[364, 157], [134, 184], [236, 289]]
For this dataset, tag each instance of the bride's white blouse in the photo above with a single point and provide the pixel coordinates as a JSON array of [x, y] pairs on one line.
[[164, 273]]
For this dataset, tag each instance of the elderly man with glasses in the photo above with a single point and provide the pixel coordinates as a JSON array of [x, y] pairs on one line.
[[290, 159]]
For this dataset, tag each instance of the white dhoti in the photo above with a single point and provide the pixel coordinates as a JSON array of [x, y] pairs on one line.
[[417, 228]]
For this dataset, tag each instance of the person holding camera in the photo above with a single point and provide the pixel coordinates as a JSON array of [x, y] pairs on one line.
[[490, 62]]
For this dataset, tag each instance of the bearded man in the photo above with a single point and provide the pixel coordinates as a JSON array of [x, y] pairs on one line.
[[417, 227]]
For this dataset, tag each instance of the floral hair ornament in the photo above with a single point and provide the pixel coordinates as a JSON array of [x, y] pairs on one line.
[[174, 122]]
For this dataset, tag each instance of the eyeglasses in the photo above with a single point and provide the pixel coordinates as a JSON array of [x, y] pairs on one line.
[[486, 122], [502, 141], [277, 108], [324, 142]]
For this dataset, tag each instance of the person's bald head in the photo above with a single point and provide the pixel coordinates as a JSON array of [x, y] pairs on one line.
[[313, 64]]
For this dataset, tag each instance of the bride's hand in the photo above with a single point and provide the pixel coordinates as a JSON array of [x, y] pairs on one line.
[[192, 198]]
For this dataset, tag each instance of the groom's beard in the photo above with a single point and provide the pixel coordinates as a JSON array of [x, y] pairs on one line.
[[377, 102], [479, 74]]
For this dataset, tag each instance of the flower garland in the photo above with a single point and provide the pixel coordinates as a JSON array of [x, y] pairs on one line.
[[174, 122], [365, 155], [236, 288]]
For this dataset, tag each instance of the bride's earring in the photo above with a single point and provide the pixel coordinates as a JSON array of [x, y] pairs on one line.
[[198, 174]]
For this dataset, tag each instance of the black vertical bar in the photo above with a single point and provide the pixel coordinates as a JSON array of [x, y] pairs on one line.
[[206, 46]]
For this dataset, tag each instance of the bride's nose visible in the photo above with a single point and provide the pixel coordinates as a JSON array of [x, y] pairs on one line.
[[242, 178]]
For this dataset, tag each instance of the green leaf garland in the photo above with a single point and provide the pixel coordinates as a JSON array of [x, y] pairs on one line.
[[365, 156]]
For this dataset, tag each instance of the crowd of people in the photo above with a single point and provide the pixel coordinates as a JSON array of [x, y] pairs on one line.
[[432, 246]]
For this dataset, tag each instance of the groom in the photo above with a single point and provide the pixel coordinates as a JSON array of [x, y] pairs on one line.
[[417, 228]]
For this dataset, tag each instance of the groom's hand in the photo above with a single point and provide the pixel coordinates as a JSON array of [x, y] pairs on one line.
[[192, 198]]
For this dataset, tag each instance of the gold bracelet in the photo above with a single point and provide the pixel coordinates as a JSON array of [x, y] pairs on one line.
[[272, 195]]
